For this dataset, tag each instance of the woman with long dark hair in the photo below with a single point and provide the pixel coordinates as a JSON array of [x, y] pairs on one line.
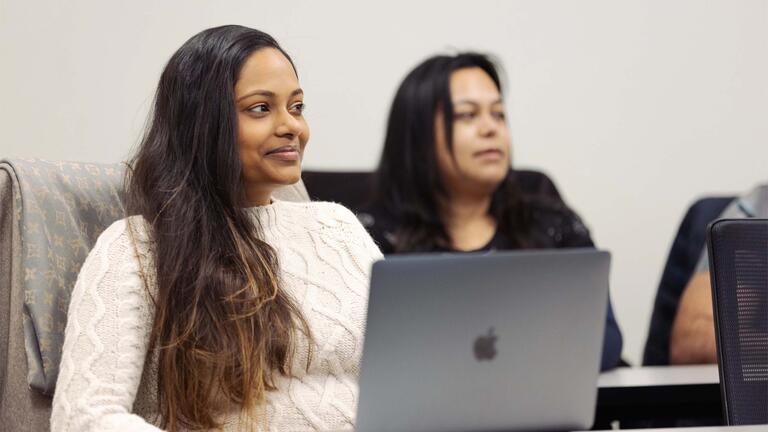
[[444, 181], [216, 305]]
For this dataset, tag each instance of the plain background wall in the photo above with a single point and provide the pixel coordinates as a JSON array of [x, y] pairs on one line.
[[635, 108]]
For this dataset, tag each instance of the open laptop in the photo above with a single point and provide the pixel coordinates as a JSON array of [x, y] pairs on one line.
[[502, 341]]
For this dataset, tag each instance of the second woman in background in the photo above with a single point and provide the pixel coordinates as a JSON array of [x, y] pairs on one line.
[[444, 181]]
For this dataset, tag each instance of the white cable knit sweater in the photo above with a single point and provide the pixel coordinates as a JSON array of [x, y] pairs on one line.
[[107, 380]]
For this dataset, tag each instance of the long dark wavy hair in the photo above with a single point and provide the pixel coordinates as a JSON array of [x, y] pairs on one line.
[[408, 184], [223, 327]]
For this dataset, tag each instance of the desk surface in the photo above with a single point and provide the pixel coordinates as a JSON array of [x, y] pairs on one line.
[[663, 393], [652, 376], [659, 396], [755, 428]]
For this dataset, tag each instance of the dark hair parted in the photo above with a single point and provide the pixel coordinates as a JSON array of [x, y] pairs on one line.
[[408, 183], [223, 327]]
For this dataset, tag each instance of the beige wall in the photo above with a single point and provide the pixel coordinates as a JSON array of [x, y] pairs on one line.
[[634, 107]]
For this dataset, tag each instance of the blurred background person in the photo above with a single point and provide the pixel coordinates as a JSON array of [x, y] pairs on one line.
[[693, 331], [444, 181]]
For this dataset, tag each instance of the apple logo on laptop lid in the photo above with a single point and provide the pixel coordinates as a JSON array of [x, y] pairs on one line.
[[485, 346]]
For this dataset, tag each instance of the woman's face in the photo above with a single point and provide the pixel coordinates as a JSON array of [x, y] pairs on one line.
[[480, 158], [272, 131]]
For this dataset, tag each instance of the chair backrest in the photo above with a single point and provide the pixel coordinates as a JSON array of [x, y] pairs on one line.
[[738, 257], [684, 254], [351, 189], [354, 189], [51, 214]]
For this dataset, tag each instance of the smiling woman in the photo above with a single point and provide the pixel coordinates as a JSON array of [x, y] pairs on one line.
[[215, 305], [272, 130]]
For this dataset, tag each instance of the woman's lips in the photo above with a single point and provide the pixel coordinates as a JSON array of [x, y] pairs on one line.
[[489, 155], [286, 153]]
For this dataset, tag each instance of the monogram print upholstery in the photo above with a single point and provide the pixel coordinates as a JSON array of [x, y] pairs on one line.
[[58, 210]]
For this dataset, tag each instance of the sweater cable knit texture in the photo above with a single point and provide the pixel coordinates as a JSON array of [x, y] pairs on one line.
[[108, 379]]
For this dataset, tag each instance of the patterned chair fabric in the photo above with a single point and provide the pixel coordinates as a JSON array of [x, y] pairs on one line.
[[63, 208], [51, 214]]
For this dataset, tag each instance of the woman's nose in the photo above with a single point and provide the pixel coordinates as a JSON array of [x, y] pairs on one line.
[[488, 126], [287, 125]]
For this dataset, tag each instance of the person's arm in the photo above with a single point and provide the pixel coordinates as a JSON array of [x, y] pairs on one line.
[[106, 341], [612, 341], [693, 331], [692, 339], [360, 242], [575, 234]]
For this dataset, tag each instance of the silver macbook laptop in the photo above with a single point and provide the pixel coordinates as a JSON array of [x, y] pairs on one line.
[[503, 341]]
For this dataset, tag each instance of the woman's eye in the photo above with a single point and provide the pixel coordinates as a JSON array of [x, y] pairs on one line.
[[464, 115], [499, 115], [259, 109], [298, 108]]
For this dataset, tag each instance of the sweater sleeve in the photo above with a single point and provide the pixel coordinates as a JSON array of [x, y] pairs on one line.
[[371, 250], [106, 341], [358, 242]]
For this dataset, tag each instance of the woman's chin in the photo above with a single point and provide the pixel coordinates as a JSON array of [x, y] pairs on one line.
[[490, 179], [286, 175], [288, 179]]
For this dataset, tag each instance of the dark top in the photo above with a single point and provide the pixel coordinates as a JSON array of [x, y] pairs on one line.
[[681, 264], [554, 227]]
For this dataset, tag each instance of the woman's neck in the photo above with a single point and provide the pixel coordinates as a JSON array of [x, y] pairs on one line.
[[461, 208], [467, 221], [258, 196]]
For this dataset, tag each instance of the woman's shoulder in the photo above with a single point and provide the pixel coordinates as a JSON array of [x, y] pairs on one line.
[[288, 219], [325, 212], [118, 260], [124, 240], [335, 222], [123, 230], [553, 222], [134, 228]]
